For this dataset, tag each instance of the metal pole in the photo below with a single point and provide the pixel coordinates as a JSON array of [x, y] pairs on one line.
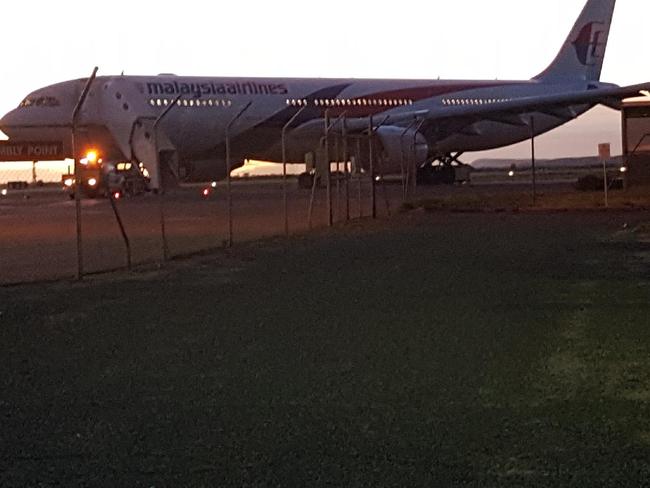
[[605, 183], [284, 169], [310, 211], [161, 190], [371, 132], [373, 191], [403, 161], [125, 237], [338, 180], [34, 172], [328, 179], [411, 169], [77, 203], [383, 185], [532, 156], [328, 174], [358, 171], [346, 170], [77, 171], [163, 231], [230, 124]]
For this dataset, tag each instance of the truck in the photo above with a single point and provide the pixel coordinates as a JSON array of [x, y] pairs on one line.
[[100, 179]]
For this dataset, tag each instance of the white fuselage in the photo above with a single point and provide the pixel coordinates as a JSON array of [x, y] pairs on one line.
[[120, 110]]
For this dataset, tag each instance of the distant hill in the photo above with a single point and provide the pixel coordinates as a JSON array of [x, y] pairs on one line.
[[584, 162]]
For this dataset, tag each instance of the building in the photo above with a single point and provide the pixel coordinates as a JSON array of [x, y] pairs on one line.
[[636, 140]]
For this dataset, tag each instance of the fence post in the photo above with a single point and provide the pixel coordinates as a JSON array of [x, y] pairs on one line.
[[284, 169], [161, 190], [77, 171], [228, 127]]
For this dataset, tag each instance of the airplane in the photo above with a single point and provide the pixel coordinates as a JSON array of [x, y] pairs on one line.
[[183, 123]]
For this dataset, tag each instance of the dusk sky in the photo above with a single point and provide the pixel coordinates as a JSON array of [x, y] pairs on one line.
[[44, 42]]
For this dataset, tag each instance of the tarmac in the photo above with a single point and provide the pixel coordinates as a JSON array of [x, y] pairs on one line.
[[38, 238], [38, 227]]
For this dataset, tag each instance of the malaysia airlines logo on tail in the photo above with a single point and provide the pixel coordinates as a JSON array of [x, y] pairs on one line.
[[588, 42]]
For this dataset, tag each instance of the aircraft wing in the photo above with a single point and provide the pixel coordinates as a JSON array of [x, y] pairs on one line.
[[555, 104], [450, 120], [446, 121]]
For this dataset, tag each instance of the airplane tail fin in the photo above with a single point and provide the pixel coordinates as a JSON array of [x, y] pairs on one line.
[[582, 54]]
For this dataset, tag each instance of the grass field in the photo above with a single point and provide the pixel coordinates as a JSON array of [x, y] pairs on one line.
[[546, 198], [433, 349]]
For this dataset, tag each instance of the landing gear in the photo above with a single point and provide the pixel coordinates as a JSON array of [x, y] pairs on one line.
[[445, 170]]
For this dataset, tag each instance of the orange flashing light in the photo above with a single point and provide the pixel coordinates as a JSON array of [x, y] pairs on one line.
[[92, 156]]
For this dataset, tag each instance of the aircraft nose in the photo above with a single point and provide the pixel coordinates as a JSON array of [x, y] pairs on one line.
[[7, 121]]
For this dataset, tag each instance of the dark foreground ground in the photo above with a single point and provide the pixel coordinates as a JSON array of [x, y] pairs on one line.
[[437, 350]]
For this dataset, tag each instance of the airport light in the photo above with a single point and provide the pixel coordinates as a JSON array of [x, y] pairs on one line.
[[92, 182], [4, 192], [623, 169], [68, 182], [511, 173]]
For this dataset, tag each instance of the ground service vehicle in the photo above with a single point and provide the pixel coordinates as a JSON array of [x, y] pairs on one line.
[[99, 178]]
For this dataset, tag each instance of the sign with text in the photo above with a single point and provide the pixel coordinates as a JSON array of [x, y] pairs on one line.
[[604, 152], [31, 151]]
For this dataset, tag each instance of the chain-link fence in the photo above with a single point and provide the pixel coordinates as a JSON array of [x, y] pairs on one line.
[[33, 173], [39, 237], [38, 222]]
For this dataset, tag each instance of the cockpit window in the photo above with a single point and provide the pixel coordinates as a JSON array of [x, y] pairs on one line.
[[40, 102]]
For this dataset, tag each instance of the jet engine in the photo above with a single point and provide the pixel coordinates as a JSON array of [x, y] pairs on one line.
[[402, 148]]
